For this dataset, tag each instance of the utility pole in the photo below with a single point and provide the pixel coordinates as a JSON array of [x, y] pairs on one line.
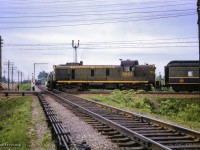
[[1, 42], [18, 80], [75, 50], [8, 63], [13, 68], [8, 75], [198, 22], [4, 72], [12, 77], [21, 77]]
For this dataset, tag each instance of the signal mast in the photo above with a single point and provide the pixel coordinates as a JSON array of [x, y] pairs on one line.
[[75, 50]]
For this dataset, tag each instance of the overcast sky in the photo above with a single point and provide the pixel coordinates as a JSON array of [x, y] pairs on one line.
[[150, 31]]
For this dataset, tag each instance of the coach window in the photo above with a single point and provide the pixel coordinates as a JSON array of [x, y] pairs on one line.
[[92, 73], [107, 72], [190, 73]]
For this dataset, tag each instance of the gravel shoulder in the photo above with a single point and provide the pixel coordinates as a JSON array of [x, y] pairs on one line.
[[80, 131], [40, 133]]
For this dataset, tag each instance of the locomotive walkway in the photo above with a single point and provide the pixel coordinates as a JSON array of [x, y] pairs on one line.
[[130, 130]]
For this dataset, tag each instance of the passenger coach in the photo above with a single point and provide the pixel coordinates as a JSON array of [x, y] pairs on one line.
[[182, 75]]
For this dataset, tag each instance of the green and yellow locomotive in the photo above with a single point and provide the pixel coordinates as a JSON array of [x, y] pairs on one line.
[[128, 75]]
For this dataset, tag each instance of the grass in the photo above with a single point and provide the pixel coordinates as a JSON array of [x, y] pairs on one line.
[[15, 121], [46, 141], [25, 87], [178, 110], [18, 129]]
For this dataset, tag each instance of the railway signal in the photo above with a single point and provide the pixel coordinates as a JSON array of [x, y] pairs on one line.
[[33, 80], [75, 50]]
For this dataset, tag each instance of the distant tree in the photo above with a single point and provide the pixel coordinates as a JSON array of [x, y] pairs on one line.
[[42, 77], [4, 79], [42, 74]]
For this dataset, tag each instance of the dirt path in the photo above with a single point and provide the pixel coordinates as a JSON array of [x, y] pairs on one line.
[[40, 134]]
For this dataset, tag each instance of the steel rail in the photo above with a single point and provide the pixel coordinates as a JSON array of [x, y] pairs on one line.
[[19, 92], [146, 142], [65, 141], [144, 118], [136, 136]]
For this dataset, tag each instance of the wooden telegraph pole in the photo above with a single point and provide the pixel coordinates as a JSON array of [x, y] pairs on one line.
[[1, 42], [198, 10]]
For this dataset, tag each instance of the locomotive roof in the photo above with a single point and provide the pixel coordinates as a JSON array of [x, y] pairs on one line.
[[87, 66], [129, 63], [194, 63]]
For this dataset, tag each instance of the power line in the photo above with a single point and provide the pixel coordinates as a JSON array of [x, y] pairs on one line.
[[155, 43], [81, 11], [116, 48], [101, 19], [95, 8], [103, 22], [100, 14], [91, 2], [104, 43], [81, 5]]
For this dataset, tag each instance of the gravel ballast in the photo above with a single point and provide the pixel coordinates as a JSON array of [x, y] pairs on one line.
[[80, 130]]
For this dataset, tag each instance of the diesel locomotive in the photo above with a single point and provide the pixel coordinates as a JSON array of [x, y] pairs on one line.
[[180, 75], [128, 75]]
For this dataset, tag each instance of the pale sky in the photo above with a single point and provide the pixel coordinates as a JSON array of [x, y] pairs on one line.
[[150, 31]]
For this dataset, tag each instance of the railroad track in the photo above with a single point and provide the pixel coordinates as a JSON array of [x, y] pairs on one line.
[[128, 129], [23, 93], [61, 137]]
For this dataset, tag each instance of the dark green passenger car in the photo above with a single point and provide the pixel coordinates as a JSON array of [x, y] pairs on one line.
[[182, 75]]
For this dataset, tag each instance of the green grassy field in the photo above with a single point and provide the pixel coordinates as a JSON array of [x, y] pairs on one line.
[[15, 120], [19, 130], [179, 110], [25, 87]]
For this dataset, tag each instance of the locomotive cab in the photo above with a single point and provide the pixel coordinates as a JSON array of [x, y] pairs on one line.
[[129, 65]]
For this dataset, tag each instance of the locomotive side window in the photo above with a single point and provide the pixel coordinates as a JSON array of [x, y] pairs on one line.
[[73, 73], [190, 74], [126, 68], [92, 73], [107, 72]]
